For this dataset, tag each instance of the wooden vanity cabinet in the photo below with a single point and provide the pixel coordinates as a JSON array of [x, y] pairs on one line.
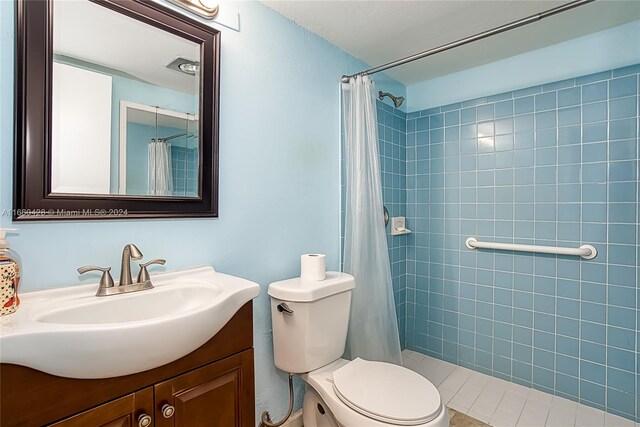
[[213, 393], [127, 411], [211, 387]]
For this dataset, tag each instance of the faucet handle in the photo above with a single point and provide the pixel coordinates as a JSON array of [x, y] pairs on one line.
[[143, 274], [106, 281]]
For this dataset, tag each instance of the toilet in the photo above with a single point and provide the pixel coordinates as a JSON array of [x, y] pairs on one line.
[[310, 321]]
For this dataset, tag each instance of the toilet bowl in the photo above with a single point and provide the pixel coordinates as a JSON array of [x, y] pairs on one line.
[[350, 397], [310, 321]]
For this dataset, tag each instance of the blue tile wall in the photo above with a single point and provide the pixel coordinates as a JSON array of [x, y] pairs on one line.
[[554, 165], [392, 146], [184, 167]]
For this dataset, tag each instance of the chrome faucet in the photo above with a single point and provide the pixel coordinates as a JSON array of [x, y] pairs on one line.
[[129, 252], [126, 285]]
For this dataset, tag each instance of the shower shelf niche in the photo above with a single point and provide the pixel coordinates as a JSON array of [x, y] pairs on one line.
[[398, 226]]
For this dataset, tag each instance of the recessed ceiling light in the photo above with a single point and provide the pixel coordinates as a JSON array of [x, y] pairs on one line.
[[189, 68], [185, 66]]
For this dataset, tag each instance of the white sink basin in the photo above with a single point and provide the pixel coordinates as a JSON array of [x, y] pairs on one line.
[[163, 302], [71, 333]]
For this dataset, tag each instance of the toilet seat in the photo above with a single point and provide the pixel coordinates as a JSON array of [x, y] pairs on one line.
[[387, 393]]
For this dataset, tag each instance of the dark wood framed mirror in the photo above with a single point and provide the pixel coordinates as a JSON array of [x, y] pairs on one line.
[[116, 111]]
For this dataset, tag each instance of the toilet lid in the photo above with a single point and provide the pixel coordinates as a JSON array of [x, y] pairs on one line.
[[386, 392]]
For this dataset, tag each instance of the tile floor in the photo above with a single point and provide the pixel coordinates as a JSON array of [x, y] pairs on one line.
[[504, 404]]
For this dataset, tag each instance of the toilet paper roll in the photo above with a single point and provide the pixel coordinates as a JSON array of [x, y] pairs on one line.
[[312, 267]]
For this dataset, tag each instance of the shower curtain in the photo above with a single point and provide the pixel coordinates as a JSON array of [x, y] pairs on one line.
[[373, 328], [160, 174]]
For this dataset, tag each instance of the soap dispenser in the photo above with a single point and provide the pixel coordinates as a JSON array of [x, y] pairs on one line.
[[10, 266]]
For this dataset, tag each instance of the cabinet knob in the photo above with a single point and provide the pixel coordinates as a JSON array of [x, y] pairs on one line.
[[167, 410], [144, 420]]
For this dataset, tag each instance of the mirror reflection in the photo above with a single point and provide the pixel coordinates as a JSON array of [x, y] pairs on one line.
[[158, 151], [125, 106]]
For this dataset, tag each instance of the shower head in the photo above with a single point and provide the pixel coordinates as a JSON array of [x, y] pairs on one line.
[[397, 100]]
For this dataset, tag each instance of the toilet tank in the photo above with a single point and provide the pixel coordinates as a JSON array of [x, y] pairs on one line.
[[315, 333]]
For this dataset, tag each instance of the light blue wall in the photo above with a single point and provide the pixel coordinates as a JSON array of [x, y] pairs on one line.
[[138, 138], [279, 177], [553, 165], [605, 50], [7, 41]]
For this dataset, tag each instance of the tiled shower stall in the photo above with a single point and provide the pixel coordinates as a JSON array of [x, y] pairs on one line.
[[557, 165]]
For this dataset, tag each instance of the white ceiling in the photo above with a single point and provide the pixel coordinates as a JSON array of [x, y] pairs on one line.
[[95, 34], [378, 32]]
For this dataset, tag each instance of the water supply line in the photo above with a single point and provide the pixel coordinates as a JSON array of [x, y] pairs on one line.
[[476, 37], [266, 419]]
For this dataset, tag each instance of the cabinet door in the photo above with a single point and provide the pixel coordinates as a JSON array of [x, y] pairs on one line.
[[126, 411], [217, 395]]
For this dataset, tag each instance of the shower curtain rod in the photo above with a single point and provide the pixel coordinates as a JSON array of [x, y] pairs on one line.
[[479, 36], [169, 138]]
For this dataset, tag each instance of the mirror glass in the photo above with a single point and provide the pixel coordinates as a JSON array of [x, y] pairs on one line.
[[125, 106]]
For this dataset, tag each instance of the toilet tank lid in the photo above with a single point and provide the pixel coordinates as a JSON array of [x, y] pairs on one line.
[[301, 290]]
